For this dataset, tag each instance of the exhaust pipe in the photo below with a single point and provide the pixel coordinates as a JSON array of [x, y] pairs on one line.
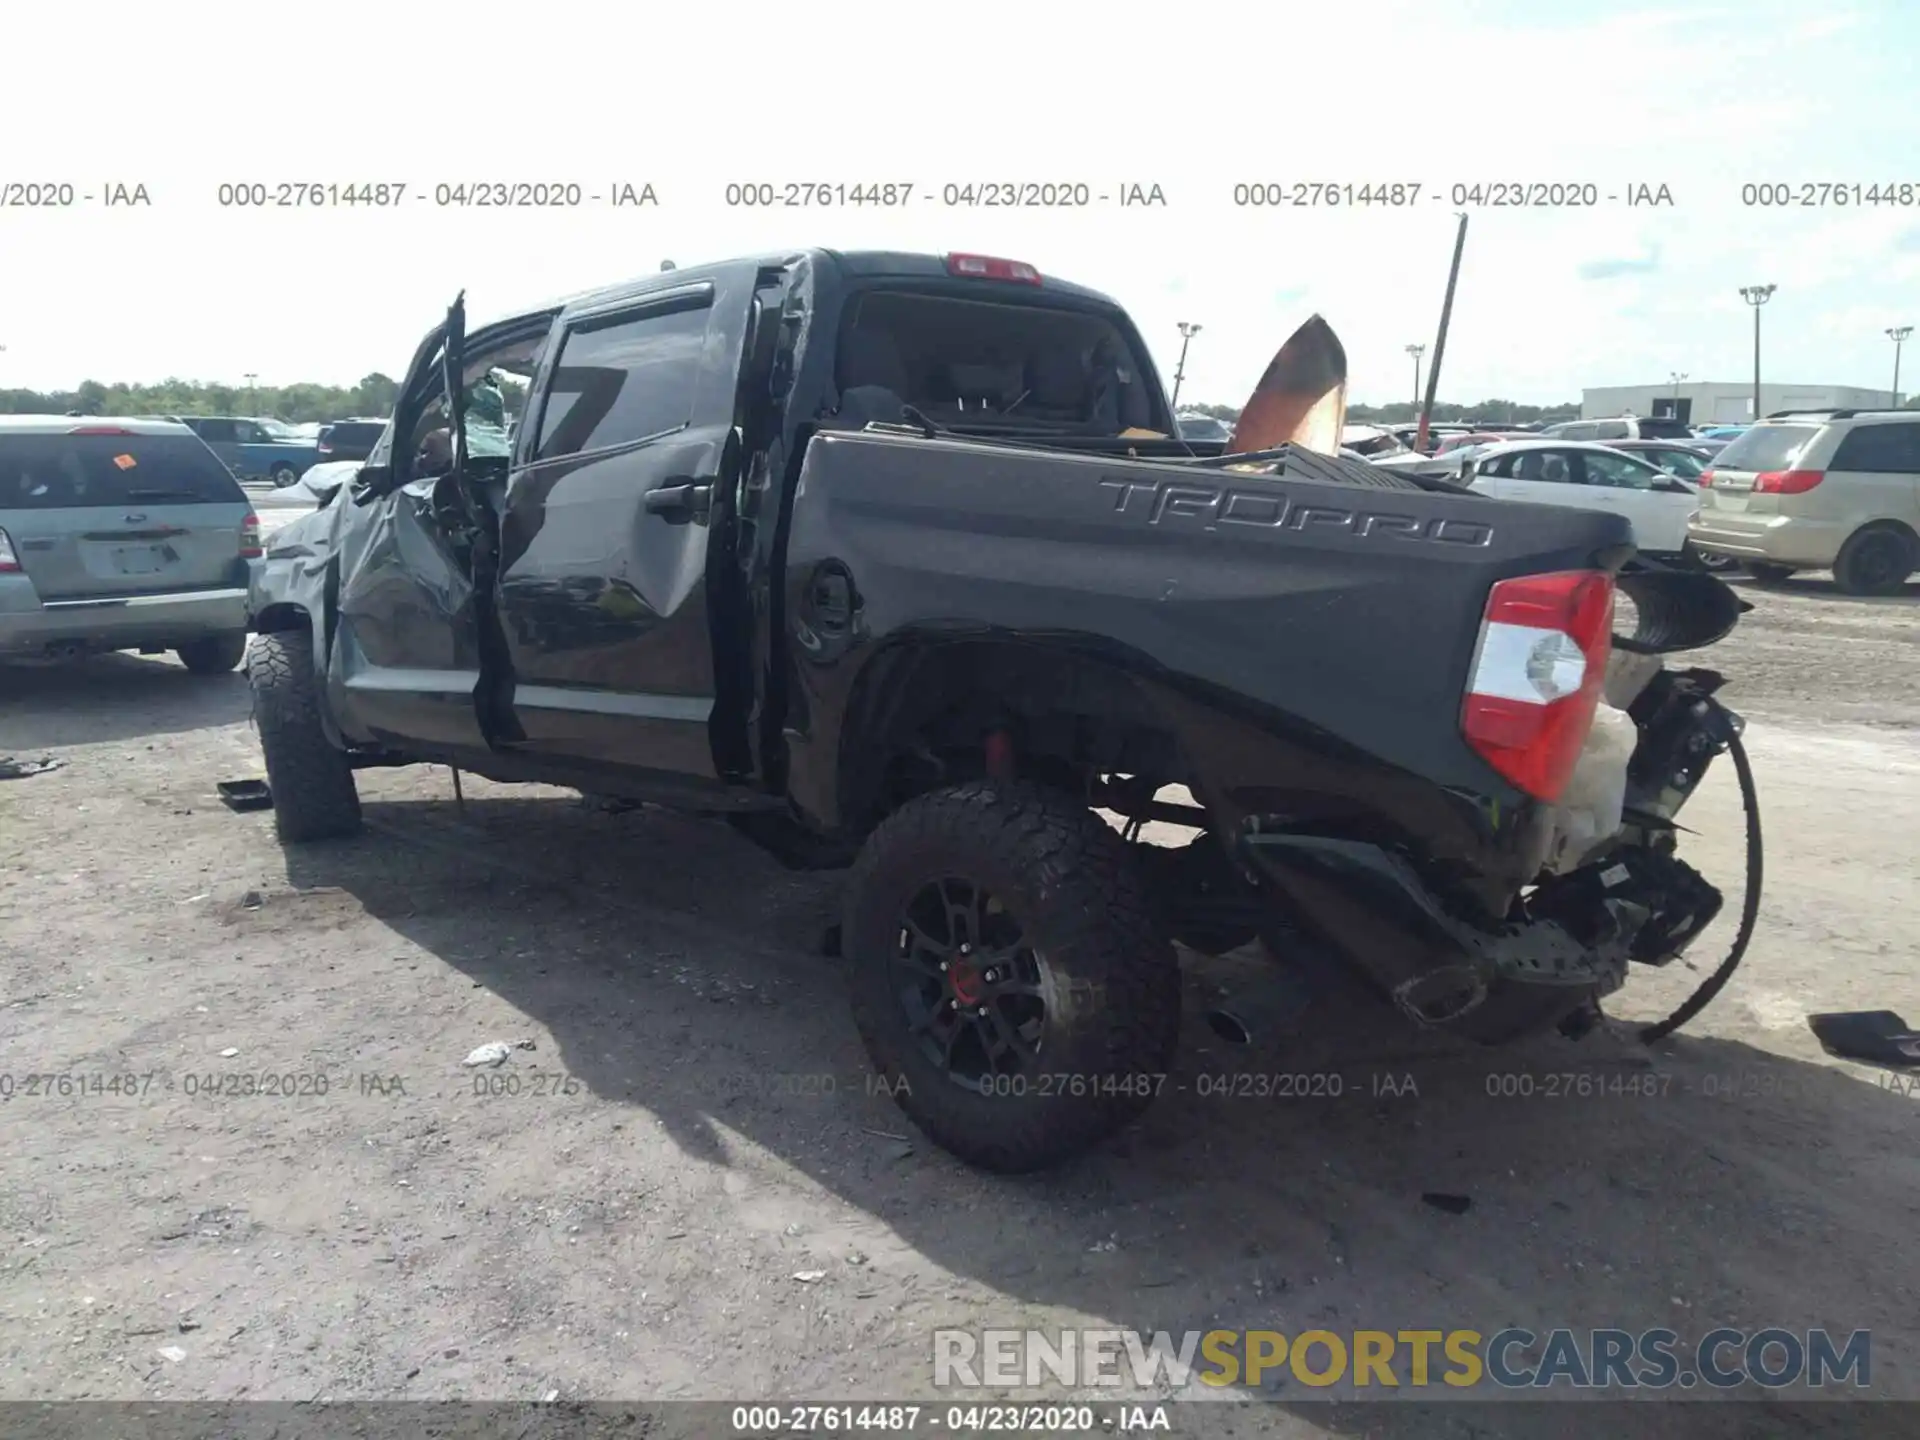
[[66, 650]]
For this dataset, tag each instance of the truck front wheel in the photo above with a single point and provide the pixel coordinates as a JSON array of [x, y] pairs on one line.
[[314, 797], [1008, 979]]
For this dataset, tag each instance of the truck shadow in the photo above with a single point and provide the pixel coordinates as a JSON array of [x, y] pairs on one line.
[[1339, 1171]]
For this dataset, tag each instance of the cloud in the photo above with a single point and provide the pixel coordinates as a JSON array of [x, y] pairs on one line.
[[1613, 269]]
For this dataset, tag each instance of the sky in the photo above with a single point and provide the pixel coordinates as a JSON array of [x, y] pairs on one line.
[[1703, 99]]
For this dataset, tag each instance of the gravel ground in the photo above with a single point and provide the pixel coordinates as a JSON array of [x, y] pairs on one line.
[[621, 1209]]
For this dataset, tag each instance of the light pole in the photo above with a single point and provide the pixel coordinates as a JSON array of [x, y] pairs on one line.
[[1898, 334], [1416, 351], [1756, 296], [250, 377], [1676, 377], [1440, 340], [1187, 331]]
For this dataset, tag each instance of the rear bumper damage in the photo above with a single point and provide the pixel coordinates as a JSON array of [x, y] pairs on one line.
[[1571, 946], [1610, 890]]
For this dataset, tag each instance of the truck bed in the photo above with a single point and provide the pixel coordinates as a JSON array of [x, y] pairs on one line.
[[1334, 596]]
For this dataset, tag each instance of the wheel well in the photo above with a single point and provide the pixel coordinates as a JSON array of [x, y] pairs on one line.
[[1899, 527], [922, 712], [282, 615]]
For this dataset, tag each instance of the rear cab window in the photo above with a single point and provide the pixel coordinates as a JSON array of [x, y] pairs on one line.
[[71, 472], [996, 367], [1767, 448]]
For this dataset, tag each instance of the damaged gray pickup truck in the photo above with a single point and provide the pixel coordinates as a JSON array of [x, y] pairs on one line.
[[897, 563]]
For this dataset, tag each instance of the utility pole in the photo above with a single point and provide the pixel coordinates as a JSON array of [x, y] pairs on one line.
[[1898, 334], [1440, 340], [1187, 332], [1756, 296], [1416, 351]]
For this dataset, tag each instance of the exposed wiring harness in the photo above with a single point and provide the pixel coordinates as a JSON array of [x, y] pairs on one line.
[[1750, 907]]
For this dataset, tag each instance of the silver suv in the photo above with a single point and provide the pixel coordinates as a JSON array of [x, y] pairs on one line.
[[1831, 490], [1620, 427], [121, 535]]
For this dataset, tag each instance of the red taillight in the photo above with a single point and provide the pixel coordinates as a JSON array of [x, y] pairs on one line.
[[99, 430], [250, 546], [324, 448], [1537, 676], [1706, 479], [9, 562], [1786, 482], [988, 267]]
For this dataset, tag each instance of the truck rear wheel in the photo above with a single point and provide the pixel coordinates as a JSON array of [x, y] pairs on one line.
[[1008, 979], [313, 792]]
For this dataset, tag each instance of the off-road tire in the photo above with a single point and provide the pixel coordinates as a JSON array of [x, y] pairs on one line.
[[214, 654], [1767, 573], [1875, 562], [313, 792], [1113, 1008]]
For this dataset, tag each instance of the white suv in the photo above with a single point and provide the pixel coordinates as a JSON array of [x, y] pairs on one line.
[[1831, 490], [1620, 427]]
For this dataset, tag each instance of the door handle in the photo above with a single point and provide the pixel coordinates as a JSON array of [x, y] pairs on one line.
[[681, 503]]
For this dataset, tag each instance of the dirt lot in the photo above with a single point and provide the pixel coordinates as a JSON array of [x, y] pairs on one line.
[[620, 1210]]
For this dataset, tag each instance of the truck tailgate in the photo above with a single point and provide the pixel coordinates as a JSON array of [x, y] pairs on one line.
[[1351, 608]]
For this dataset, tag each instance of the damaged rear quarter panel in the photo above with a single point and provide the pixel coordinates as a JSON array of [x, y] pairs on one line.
[[1341, 615]]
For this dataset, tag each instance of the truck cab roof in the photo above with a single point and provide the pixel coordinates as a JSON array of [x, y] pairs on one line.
[[855, 264]]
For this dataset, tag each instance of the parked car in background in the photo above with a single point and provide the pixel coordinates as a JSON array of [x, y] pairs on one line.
[[121, 535], [1589, 477], [350, 439], [250, 450], [1408, 435], [1831, 490], [1194, 426], [1621, 427], [1473, 439], [1722, 432], [1684, 459], [1372, 442]]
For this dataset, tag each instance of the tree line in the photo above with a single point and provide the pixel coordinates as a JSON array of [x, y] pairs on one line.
[[295, 404], [375, 395]]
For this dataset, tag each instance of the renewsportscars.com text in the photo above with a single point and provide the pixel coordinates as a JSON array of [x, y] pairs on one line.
[[1460, 1359]]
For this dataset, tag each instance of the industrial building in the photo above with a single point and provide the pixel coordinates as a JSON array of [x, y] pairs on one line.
[[1729, 403]]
